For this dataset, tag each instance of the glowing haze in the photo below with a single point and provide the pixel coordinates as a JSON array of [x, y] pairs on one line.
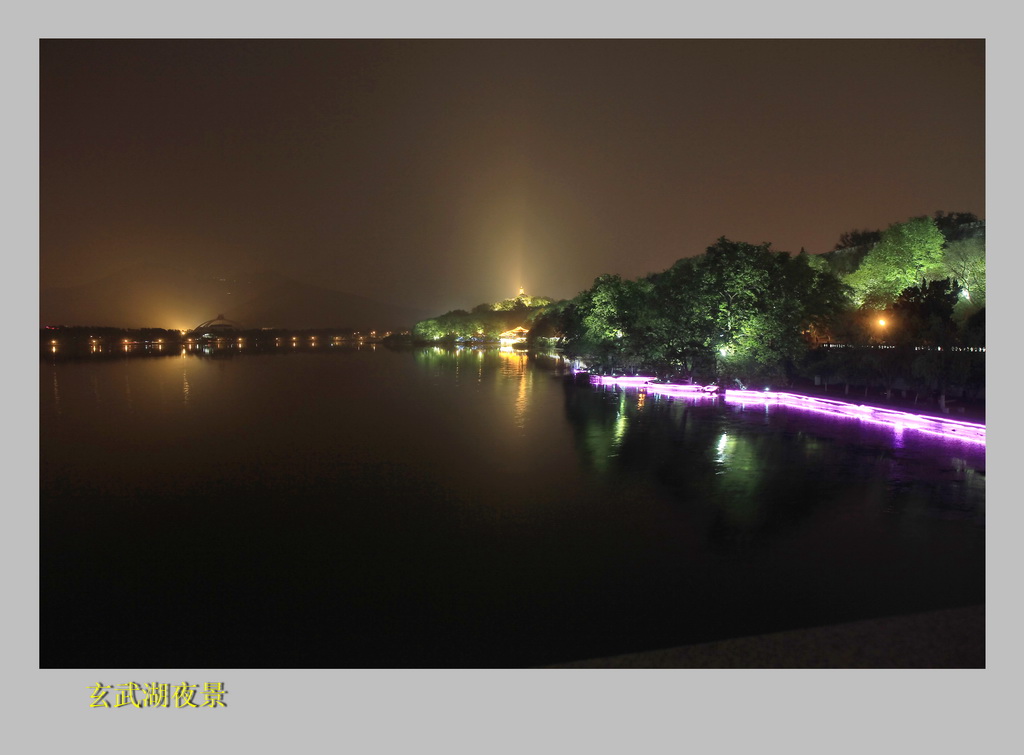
[[439, 174]]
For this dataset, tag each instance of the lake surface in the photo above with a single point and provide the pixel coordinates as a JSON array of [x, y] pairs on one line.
[[343, 507]]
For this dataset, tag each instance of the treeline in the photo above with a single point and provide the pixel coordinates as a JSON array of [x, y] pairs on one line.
[[484, 323], [79, 334], [909, 315], [739, 312], [906, 305]]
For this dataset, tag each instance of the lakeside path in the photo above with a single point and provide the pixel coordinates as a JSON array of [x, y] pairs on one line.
[[890, 414], [957, 409]]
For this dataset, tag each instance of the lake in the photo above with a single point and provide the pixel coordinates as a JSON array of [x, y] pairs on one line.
[[342, 507]]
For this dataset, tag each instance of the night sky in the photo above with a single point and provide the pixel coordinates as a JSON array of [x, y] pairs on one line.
[[443, 173]]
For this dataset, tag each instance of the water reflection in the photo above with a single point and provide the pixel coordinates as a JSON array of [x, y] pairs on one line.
[[447, 507], [56, 393], [755, 473]]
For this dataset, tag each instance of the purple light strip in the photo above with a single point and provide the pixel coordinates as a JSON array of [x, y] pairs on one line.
[[946, 428]]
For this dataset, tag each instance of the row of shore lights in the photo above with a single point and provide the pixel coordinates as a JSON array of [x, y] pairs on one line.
[[295, 339], [160, 341], [93, 343]]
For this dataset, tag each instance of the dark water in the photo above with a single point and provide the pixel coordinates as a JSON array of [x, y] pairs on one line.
[[371, 508]]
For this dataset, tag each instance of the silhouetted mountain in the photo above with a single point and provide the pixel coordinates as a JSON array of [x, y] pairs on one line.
[[150, 295]]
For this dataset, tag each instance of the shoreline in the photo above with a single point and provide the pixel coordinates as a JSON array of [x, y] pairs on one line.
[[957, 409], [948, 425]]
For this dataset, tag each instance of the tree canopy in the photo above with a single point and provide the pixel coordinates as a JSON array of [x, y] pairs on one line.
[[964, 261], [739, 310], [907, 254], [857, 238]]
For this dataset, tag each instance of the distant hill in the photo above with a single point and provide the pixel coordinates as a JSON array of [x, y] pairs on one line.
[[150, 295]]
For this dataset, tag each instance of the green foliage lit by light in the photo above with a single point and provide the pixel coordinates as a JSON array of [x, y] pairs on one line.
[[739, 311], [484, 323], [964, 262], [907, 254], [744, 313]]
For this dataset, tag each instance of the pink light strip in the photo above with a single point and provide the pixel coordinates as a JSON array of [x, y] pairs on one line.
[[946, 428]]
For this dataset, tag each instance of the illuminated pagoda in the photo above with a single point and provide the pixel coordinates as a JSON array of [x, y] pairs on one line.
[[514, 336]]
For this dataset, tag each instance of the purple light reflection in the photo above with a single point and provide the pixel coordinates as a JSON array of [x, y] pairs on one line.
[[900, 421]]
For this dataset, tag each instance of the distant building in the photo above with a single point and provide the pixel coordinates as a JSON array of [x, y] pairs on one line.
[[218, 327]]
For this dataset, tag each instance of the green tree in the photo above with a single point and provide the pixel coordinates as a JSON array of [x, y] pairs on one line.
[[907, 254], [682, 326], [964, 262], [925, 315], [949, 223], [601, 318], [767, 306]]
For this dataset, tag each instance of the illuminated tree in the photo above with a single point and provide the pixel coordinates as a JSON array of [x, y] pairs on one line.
[[907, 254], [764, 304], [964, 262], [601, 316]]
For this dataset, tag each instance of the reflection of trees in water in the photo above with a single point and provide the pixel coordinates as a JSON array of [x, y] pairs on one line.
[[745, 480]]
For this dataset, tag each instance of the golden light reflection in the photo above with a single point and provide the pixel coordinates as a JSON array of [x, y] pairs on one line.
[[520, 410], [513, 365]]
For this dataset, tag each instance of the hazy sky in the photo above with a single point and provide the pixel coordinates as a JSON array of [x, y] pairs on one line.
[[445, 173]]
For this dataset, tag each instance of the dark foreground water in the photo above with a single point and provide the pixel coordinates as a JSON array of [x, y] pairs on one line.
[[371, 508]]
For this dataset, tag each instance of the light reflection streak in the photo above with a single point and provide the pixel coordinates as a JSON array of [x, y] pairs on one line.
[[899, 421], [56, 393], [520, 411], [722, 443], [621, 422], [513, 365]]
